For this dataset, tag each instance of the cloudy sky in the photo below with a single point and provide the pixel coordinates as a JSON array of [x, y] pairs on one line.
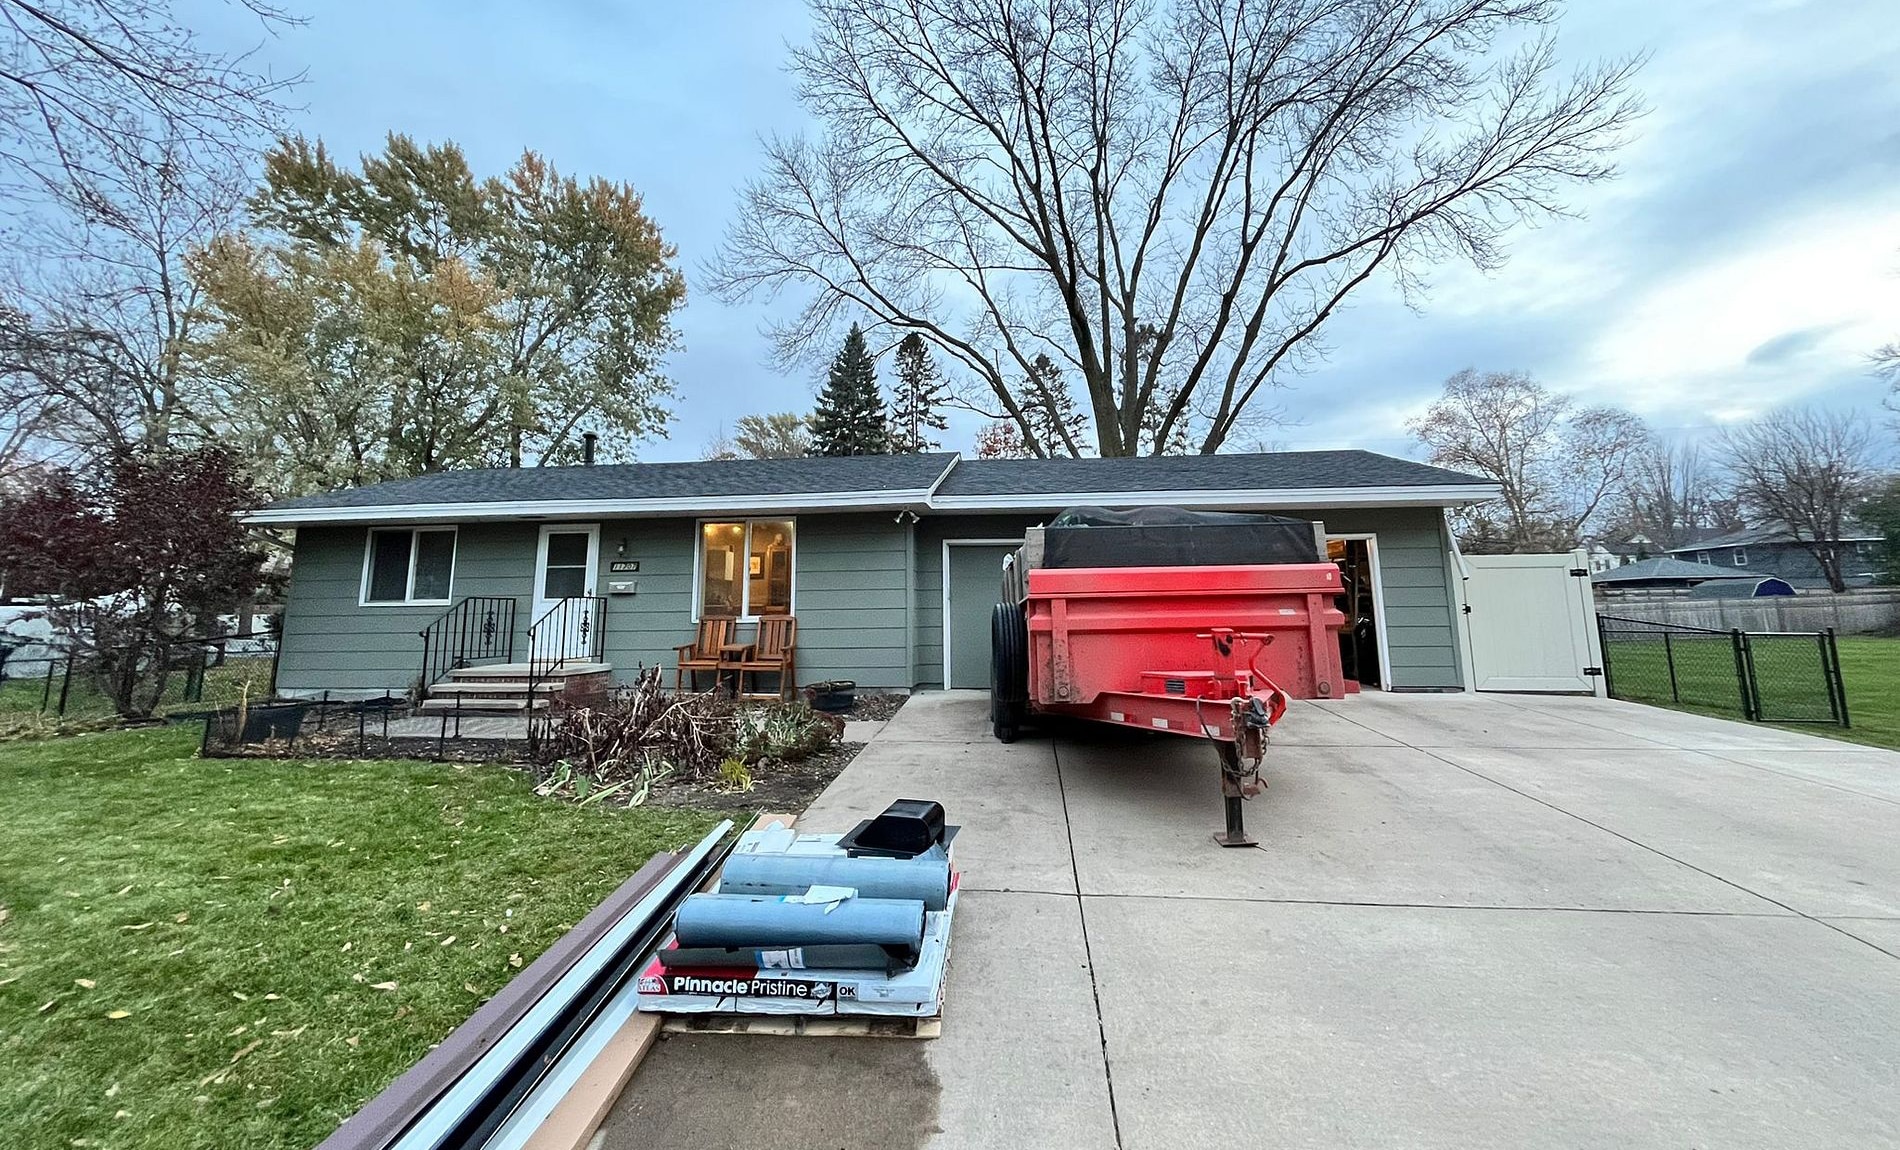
[[1748, 256]]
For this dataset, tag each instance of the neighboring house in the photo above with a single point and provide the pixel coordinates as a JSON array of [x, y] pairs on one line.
[[1662, 574], [891, 564], [1771, 549]]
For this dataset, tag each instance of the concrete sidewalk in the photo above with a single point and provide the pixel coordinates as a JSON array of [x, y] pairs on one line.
[[1472, 921]]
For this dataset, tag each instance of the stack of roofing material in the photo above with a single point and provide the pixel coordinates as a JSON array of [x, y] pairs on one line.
[[802, 926]]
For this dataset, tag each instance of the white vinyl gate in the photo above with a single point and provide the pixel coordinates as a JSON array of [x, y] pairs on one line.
[[1530, 623]]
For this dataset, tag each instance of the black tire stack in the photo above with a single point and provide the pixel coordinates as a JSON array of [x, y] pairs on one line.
[[1009, 670]]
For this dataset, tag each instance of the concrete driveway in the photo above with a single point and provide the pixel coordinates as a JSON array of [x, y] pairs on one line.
[[1472, 921]]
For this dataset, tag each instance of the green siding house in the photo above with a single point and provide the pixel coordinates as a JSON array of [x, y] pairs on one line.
[[890, 564]]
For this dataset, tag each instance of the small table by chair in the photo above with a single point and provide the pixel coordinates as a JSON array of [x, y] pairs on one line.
[[731, 655]]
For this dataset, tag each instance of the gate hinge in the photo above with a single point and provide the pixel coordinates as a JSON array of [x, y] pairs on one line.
[[1580, 572], [1593, 670]]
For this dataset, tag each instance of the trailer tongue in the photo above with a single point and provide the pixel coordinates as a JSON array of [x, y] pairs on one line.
[[1197, 624]]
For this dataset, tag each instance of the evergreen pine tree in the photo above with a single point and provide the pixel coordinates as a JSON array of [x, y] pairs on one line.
[[1049, 409], [915, 398], [850, 417]]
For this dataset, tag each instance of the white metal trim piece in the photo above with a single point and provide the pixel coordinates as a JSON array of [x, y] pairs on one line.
[[1439, 495], [925, 499], [764, 505]]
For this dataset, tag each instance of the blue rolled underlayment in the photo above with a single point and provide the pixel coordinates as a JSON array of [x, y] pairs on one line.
[[763, 922], [925, 878], [839, 956]]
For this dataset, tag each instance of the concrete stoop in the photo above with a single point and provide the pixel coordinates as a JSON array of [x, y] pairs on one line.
[[515, 688]]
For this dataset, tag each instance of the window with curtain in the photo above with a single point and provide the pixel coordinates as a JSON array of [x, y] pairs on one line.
[[745, 567], [409, 565]]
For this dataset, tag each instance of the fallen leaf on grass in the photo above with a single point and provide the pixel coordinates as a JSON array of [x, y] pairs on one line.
[[112, 1091], [514, 960], [181, 916], [5, 981], [272, 997], [472, 989], [347, 946], [353, 1040], [382, 986], [140, 926], [47, 1007], [125, 890], [290, 1033], [123, 1114], [85, 982], [255, 1043], [118, 1014], [240, 996], [447, 940]]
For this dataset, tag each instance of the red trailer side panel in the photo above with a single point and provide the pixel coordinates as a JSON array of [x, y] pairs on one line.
[[1099, 629]]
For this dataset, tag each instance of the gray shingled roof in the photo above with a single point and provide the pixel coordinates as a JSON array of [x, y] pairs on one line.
[[1646, 569], [709, 480], [1278, 471], [1851, 532]]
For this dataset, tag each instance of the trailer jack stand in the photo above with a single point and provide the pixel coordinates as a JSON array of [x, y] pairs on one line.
[[1235, 789]]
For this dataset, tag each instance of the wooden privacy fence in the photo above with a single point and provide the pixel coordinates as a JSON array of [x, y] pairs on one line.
[[1851, 613]]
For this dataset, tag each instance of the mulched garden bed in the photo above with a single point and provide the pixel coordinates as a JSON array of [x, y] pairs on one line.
[[778, 786], [876, 708]]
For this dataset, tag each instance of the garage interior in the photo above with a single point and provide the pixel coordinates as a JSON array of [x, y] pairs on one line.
[[1359, 643]]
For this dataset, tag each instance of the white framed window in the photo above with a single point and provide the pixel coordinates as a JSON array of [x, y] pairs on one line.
[[408, 567], [1741, 556], [1702, 557], [744, 567]]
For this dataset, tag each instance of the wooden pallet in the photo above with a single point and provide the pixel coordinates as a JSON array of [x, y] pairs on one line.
[[802, 1026]]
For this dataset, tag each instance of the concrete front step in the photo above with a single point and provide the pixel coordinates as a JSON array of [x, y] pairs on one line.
[[503, 688], [521, 671], [480, 706]]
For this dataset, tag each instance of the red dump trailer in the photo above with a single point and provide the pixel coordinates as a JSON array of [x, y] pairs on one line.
[[1092, 627]]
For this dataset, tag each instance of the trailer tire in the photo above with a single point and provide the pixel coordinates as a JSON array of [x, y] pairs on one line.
[[1009, 670]]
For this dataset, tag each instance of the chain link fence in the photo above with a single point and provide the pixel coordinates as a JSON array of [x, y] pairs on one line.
[[1760, 676], [73, 683]]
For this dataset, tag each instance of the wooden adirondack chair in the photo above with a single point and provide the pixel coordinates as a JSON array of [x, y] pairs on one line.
[[773, 652], [704, 652]]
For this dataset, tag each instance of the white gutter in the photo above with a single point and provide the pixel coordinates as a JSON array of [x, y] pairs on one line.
[[1437, 495], [882, 500]]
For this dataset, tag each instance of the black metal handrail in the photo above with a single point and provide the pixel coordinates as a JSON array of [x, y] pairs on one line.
[[568, 632], [480, 627]]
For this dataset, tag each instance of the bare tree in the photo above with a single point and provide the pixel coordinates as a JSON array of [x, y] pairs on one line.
[[1559, 466], [1805, 470], [93, 87], [1169, 197], [1673, 492], [104, 306]]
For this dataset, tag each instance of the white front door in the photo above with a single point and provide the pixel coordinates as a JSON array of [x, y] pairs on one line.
[[1530, 623], [564, 566]]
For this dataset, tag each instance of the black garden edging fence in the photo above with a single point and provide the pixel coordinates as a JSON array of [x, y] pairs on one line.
[[1761, 676]]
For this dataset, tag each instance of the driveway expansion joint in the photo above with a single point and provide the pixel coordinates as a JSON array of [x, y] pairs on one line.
[[1088, 955]]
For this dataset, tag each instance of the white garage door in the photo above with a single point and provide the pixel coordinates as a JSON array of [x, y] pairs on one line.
[[1530, 623]]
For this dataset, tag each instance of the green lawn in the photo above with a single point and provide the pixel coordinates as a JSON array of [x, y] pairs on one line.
[[1789, 677], [235, 953]]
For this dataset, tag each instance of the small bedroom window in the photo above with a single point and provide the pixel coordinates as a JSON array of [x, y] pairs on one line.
[[409, 566]]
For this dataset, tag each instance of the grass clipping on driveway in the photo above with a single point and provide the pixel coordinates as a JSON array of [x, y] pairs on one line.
[[241, 952]]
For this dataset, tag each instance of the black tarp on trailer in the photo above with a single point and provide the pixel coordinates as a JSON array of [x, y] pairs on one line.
[[1175, 537]]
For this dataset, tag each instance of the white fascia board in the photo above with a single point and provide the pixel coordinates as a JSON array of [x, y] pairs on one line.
[[881, 500], [1446, 495]]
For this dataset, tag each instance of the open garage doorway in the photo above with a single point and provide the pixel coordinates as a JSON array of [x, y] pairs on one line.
[[1362, 646]]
